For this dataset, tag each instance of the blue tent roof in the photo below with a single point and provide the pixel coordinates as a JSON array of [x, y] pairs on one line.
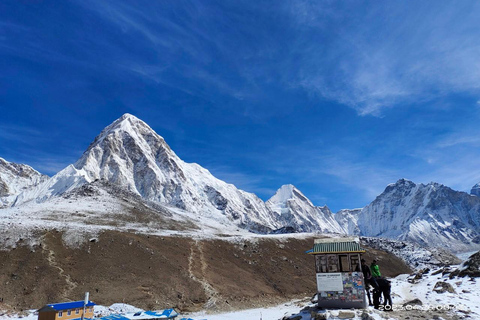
[[68, 305], [160, 314]]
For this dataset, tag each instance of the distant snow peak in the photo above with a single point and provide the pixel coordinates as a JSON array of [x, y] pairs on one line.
[[476, 190], [430, 214], [296, 211], [289, 192], [16, 178]]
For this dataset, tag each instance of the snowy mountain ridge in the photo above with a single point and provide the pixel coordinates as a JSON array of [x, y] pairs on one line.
[[428, 214], [298, 212], [132, 156], [15, 178]]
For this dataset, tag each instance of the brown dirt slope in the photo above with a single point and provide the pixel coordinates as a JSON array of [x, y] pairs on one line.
[[155, 272]]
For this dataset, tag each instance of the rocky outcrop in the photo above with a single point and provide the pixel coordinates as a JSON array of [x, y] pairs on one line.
[[476, 190], [469, 268]]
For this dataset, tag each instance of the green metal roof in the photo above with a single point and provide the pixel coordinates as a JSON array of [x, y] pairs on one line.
[[336, 247]]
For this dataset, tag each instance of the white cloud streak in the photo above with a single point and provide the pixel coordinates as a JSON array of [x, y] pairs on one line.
[[392, 53]]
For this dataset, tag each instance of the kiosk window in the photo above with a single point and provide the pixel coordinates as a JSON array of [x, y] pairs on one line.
[[355, 262], [332, 263], [344, 263], [321, 263]]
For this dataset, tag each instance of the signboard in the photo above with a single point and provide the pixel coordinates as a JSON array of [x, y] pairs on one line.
[[329, 282]]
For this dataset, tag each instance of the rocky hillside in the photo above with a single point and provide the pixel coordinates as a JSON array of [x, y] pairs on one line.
[[155, 272]]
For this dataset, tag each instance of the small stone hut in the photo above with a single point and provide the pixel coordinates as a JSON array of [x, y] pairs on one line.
[[339, 275], [67, 311]]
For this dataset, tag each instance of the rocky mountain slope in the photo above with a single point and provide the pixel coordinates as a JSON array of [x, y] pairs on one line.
[[15, 178], [154, 272], [348, 220], [469, 268], [297, 211], [430, 214]]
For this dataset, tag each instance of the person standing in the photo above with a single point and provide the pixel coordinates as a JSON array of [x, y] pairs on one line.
[[367, 278], [375, 269]]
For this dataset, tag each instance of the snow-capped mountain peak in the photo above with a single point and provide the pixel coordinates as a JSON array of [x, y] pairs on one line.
[[429, 214], [297, 211], [131, 155], [288, 192]]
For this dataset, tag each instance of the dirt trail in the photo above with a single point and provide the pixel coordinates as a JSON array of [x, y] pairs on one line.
[[197, 256], [70, 284]]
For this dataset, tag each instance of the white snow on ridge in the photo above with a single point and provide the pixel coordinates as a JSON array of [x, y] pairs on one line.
[[295, 210], [130, 155], [431, 215], [64, 181], [15, 178]]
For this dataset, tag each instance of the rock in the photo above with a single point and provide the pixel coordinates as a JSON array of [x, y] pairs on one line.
[[470, 267], [346, 314], [441, 287], [414, 302], [319, 316], [418, 276], [366, 316], [437, 272]]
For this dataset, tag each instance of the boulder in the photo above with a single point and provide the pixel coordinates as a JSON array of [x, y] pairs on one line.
[[346, 314], [414, 302], [469, 268], [442, 287]]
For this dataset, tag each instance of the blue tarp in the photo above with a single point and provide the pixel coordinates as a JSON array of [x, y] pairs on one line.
[[160, 314]]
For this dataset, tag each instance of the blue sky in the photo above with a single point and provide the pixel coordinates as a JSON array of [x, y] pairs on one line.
[[338, 98]]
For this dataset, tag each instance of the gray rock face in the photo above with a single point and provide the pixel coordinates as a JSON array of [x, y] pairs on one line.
[[476, 190], [442, 287], [414, 302], [469, 268]]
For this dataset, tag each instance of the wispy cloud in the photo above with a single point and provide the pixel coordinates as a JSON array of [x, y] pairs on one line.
[[18, 133], [391, 53]]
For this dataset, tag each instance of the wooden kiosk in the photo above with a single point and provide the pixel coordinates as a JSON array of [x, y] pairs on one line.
[[340, 281]]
